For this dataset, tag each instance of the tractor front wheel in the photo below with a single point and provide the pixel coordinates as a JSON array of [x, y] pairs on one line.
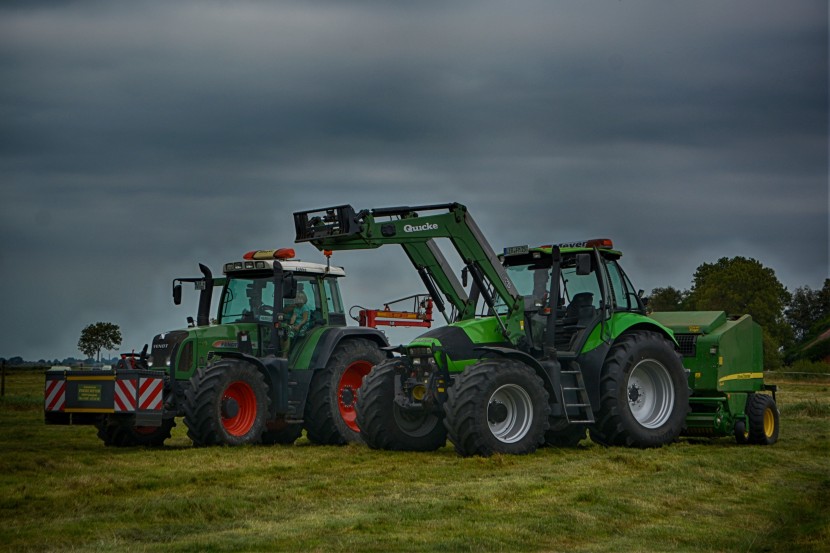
[[226, 404], [330, 417], [644, 393], [384, 425], [118, 431], [497, 406]]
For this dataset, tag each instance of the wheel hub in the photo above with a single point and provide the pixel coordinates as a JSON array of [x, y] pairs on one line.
[[230, 408], [496, 412], [635, 394], [347, 396]]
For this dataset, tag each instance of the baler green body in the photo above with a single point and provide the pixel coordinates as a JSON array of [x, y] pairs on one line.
[[724, 356]]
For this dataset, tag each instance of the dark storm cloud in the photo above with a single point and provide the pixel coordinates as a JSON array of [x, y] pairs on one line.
[[140, 138]]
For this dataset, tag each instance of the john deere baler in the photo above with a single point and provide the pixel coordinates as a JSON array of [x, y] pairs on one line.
[[724, 356]]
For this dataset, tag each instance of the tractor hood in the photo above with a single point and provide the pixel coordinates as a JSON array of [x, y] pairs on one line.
[[165, 346], [459, 341]]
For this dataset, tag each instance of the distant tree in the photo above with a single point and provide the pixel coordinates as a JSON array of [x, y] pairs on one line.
[[98, 336], [740, 285], [667, 299], [807, 309], [17, 360]]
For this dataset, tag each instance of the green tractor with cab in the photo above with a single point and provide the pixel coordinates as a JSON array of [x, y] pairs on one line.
[[541, 345], [277, 359]]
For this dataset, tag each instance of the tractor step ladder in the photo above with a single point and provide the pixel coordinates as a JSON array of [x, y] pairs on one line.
[[293, 414], [574, 395]]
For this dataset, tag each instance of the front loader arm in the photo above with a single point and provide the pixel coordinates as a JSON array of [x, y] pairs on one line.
[[340, 228]]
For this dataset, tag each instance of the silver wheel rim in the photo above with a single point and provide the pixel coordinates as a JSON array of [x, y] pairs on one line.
[[517, 411], [650, 393]]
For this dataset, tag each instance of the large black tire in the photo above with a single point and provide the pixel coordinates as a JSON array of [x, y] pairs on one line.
[[330, 417], [226, 404], [562, 434], [120, 432], [280, 432], [644, 393], [764, 420], [497, 406], [384, 425]]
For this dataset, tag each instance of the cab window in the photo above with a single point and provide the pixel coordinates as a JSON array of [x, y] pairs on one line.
[[333, 301], [624, 296]]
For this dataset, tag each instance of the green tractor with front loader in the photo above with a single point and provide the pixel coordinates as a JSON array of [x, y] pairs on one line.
[[277, 358], [548, 343]]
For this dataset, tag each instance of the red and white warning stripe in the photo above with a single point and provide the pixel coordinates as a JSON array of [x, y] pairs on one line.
[[150, 393], [55, 395], [124, 396]]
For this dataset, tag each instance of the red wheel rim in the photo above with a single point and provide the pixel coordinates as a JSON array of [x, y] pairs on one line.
[[242, 393], [347, 391]]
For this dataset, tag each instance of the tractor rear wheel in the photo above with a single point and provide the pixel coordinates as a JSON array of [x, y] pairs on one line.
[[764, 420], [497, 406], [226, 404], [644, 393], [330, 417], [120, 432], [384, 425]]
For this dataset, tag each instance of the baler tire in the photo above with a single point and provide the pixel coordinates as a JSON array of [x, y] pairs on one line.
[[384, 425], [764, 419], [119, 432], [330, 417], [637, 360], [210, 387], [520, 423]]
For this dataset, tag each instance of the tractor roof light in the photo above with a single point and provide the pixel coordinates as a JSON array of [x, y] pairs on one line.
[[282, 253], [600, 243]]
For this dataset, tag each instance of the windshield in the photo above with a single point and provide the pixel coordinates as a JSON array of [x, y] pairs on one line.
[[247, 299], [533, 282]]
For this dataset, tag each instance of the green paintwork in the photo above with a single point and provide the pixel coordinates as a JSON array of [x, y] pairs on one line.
[[618, 324], [484, 330], [728, 352], [725, 367]]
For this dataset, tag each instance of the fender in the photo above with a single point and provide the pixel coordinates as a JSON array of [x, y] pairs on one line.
[[548, 371], [333, 336]]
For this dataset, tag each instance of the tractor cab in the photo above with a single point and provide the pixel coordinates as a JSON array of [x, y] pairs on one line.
[[592, 286], [258, 296]]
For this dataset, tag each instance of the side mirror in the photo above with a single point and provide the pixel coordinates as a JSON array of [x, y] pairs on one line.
[[177, 294], [583, 264], [289, 287]]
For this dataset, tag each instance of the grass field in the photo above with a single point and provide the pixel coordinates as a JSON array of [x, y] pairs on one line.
[[62, 490]]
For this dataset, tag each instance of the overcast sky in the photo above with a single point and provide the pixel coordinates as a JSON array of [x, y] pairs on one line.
[[138, 139]]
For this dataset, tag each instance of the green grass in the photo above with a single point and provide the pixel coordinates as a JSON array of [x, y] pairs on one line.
[[62, 490]]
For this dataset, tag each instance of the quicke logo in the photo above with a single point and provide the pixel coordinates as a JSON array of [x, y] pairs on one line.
[[419, 228]]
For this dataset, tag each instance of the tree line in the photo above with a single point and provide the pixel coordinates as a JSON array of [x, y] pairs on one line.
[[792, 323]]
